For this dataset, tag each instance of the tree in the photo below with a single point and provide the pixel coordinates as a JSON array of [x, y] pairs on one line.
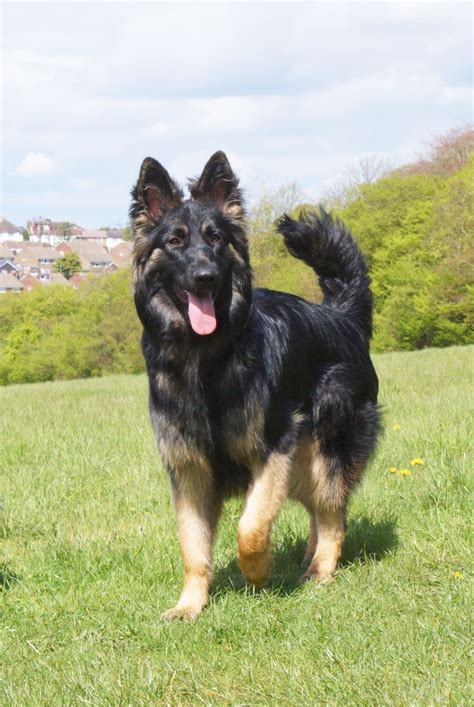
[[346, 187], [272, 265], [68, 265], [445, 154], [272, 204]]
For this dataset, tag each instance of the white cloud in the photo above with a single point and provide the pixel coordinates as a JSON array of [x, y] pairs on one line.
[[291, 91], [35, 164]]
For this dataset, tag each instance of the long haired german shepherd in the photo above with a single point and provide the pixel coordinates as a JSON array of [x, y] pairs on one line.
[[250, 390]]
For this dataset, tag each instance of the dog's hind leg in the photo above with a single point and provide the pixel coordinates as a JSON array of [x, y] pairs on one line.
[[197, 512], [264, 499], [330, 537], [328, 504]]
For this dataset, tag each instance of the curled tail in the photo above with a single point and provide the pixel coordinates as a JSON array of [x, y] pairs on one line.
[[328, 247]]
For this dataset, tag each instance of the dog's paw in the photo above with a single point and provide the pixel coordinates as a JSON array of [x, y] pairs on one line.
[[256, 568], [186, 613], [313, 575]]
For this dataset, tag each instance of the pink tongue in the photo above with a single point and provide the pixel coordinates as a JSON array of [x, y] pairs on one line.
[[201, 313]]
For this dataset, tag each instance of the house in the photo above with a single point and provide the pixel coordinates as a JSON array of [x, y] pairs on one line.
[[56, 278], [107, 238], [101, 262], [29, 282], [9, 232], [44, 230], [63, 248], [15, 246], [6, 254], [11, 268], [9, 283], [94, 257], [122, 254], [98, 237], [47, 255], [7, 262], [114, 237], [37, 260]]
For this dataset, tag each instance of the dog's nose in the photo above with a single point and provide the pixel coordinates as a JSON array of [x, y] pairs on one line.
[[206, 277]]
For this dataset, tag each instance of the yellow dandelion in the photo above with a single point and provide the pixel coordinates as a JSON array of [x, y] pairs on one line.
[[392, 469], [396, 426], [417, 461], [457, 574], [405, 472]]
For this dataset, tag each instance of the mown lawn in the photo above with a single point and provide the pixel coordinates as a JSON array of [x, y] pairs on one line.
[[90, 560]]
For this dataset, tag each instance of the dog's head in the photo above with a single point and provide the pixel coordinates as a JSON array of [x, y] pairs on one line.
[[191, 263]]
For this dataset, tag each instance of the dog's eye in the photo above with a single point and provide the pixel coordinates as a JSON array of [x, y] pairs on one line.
[[214, 237], [178, 237]]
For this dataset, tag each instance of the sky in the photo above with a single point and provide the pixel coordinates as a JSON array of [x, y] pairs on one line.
[[292, 92]]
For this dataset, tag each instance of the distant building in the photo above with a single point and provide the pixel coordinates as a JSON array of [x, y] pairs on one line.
[[44, 230], [63, 248], [7, 262], [9, 283], [122, 254], [114, 237], [9, 232], [29, 282], [107, 238], [6, 254], [15, 246], [94, 256], [31, 262]]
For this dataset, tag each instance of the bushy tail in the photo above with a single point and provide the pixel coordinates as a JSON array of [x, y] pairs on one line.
[[327, 246]]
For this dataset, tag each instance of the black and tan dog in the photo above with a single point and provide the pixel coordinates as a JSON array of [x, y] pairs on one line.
[[250, 389]]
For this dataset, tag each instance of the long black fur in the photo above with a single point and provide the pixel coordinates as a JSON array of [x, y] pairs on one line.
[[303, 369]]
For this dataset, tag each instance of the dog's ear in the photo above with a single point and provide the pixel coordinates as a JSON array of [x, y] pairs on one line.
[[218, 185], [155, 192]]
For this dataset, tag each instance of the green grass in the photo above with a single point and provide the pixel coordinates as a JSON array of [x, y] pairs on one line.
[[90, 560]]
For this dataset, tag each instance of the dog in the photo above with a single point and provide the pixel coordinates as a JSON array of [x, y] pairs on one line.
[[250, 390]]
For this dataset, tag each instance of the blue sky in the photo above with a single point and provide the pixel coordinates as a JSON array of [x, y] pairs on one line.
[[291, 91]]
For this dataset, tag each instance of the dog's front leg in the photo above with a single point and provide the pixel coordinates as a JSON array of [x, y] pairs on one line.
[[197, 512], [266, 494]]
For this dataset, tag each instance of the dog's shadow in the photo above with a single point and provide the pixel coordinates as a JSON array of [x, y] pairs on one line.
[[366, 540]]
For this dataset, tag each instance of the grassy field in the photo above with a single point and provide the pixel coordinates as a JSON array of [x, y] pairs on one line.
[[90, 560]]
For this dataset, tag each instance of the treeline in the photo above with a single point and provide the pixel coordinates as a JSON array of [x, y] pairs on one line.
[[414, 224], [56, 332]]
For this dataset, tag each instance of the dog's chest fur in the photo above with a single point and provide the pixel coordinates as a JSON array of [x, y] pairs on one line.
[[211, 415]]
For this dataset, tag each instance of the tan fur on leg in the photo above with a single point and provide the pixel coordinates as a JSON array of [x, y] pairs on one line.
[[263, 502], [330, 530], [197, 517]]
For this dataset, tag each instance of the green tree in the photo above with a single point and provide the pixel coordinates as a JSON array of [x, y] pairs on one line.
[[273, 266], [69, 264]]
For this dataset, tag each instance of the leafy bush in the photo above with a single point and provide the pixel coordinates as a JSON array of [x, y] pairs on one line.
[[56, 332], [416, 231]]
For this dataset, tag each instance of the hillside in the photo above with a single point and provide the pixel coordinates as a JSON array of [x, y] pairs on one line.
[[90, 559], [413, 224]]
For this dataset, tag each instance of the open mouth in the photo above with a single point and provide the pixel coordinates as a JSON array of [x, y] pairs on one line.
[[201, 312]]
